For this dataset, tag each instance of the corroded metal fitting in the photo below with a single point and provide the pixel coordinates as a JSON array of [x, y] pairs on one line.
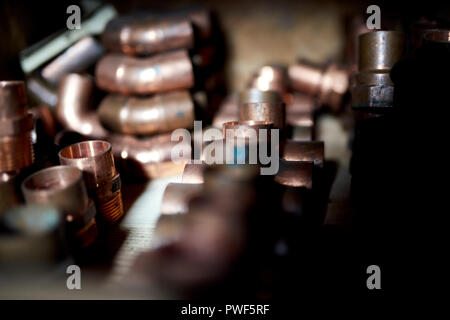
[[372, 86], [96, 160], [143, 116], [16, 124], [259, 105], [130, 75], [329, 85], [147, 36]]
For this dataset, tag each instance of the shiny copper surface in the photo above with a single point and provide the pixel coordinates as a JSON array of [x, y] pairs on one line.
[[259, 96], [270, 77], [264, 111], [16, 150], [240, 128], [304, 151], [74, 102], [176, 197], [148, 36], [129, 75], [159, 113], [194, 173], [95, 159], [295, 174]]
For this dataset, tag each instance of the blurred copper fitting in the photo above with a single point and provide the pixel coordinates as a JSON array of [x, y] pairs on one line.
[[270, 77], [40, 92], [194, 173], [16, 150], [143, 116], [300, 110], [240, 129], [10, 195], [304, 151], [150, 157], [295, 174], [74, 101], [77, 58], [329, 85], [302, 133], [176, 197], [96, 160], [262, 106], [129, 75], [147, 36], [63, 187]]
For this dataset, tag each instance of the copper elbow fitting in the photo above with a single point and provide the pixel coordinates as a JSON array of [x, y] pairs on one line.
[[16, 149], [147, 36], [96, 160], [259, 105], [63, 187], [328, 85], [143, 116], [176, 197], [75, 97], [130, 75], [304, 151]]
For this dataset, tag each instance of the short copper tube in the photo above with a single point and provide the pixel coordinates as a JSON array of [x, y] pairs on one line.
[[143, 116], [96, 160], [328, 85], [129, 75], [259, 105], [147, 36], [74, 101], [176, 197], [16, 149]]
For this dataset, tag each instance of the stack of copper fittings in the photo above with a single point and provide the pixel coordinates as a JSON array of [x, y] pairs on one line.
[[96, 161], [16, 149], [63, 187]]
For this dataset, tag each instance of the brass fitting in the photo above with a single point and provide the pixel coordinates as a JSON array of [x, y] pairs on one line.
[[130, 75], [96, 160], [143, 116], [16, 149]]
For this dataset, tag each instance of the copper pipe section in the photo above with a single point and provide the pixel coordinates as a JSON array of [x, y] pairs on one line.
[[270, 77], [329, 85], [96, 160], [176, 197], [77, 58], [129, 75], [259, 96], [143, 116], [16, 150], [194, 173], [304, 151], [262, 106], [150, 157], [61, 186], [295, 174], [147, 36], [74, 101]]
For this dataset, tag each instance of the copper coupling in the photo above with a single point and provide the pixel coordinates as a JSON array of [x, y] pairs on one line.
[[63, 187], [130, 75], [329, 85], [147, 36], [372, 86], [259, 105], [16, 124], [143, 116], [96, 160]]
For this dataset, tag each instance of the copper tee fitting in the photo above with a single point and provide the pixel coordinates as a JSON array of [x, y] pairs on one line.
[[259, 105], [148, 36], [16, 149], [64, 188], [143, 116], [329, 85], [96, 160], [130, 75]]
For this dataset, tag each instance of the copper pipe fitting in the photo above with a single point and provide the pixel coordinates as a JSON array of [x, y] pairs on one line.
[[147, 36], [77, 58], [176, 197], [304, 151], [329, 85], [96, 160], [300, 110], [150, 157], [64, 188], [240, 129], [295, 174], [194, 173], [129, 75], [262, 106], [74, 101], [302, 133], [16, 150], [143, 116], [270, 77]]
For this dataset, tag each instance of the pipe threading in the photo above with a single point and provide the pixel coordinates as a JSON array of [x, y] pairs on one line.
[[110, 209], [16, 152]]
